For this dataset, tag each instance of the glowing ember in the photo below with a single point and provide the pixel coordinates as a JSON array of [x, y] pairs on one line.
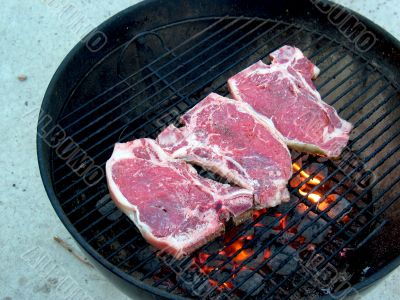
[[313, 197], [346, 219], [258, 213], [225, 285], [203, 257], [313, 180], [228, 285], [267, 254], [328, 201], [236, 246], [282, 222]]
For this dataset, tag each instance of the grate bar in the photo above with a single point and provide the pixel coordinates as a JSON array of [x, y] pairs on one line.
[[345, 80], [110, 241], [322, 59], [323, 84], [141, 263], [372, 140], [97, 222], [144, 67], [370, 113], [93, 210], [381, 90], [83, 203], [98, 118]]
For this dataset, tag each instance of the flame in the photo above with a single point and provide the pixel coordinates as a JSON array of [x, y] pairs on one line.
[[225, 285], [236, 246], [313, 197], [243, 255], [304, 174]]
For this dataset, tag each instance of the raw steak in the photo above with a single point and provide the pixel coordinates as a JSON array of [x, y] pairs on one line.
[[228, 138], [174, 208], [284, 92]]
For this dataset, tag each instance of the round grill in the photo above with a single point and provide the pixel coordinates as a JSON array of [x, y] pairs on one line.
[[151, 72]]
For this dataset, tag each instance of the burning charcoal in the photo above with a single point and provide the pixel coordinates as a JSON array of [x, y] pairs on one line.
[[317, 178], [339, 206], [295, 181], [218, 262], [256, 261], [214, 247], [284, 207], [317, 224], [276, 262], [195, 284], [306, 172], [254, 282], [221, 276], [285, 237], [264, 236], [267, 220], [300, 209], [151, 264]]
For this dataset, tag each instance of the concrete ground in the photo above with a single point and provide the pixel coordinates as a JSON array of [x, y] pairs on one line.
[[35, 38]]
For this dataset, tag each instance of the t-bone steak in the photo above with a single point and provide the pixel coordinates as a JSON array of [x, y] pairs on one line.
[[284, 92], [174, 208], [228, 138]]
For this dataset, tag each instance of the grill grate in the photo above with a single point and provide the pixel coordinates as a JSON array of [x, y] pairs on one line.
[[166, 85]]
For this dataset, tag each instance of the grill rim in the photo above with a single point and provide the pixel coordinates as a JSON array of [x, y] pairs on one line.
[[44, 163]]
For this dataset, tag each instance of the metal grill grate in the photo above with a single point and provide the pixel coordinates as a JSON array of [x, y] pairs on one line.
[[176, 76]]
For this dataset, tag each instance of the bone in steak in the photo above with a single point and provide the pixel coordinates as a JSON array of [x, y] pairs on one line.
[[284, 92], [174, 208], [230, 139]]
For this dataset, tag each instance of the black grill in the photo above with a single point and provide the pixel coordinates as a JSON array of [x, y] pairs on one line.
[[147, 82]]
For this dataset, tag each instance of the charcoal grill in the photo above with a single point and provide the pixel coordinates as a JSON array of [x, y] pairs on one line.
[[149, 64]]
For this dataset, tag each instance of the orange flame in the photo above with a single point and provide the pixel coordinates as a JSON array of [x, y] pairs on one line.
[[225, 285], [304, 174], [236, 246], [313, 197]]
